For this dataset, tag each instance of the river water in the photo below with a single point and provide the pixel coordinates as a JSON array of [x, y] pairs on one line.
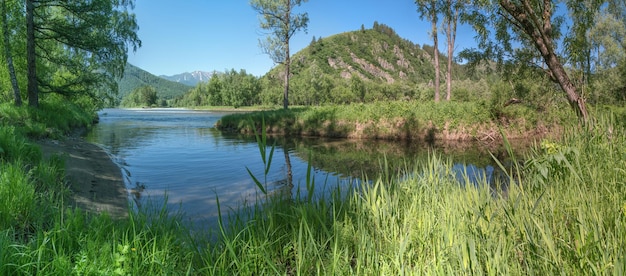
[[177, 157]]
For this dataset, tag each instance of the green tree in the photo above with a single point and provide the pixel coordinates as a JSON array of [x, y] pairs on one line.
[[358, 88], [534, 25], [145, 96], [77, 47], [606, 38], [278, 19], [429, 10], [452, 11]]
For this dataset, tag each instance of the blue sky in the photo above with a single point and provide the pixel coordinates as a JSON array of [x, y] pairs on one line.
[[187, 35]]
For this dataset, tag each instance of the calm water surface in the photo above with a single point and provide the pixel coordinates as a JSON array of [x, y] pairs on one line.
[[177, 156]]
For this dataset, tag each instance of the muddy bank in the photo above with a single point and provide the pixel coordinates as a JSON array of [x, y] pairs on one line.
[[95, 180]]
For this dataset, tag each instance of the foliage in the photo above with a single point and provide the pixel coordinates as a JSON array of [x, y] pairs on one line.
[[536, 27], [230, 88], [145, 96], [77, 47]]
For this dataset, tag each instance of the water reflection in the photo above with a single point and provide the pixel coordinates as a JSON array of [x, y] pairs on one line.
[[178, 157]]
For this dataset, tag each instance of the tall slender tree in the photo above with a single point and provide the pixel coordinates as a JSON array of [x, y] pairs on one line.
[[429, 10], [278, 19], [9, 55], [451, 13], [31, 67]]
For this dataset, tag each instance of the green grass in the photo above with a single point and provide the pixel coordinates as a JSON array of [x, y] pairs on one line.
[[411, 120], [570, 222], [566, 215]]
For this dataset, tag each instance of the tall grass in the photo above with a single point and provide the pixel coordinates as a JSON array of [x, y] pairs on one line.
[[564, 215]]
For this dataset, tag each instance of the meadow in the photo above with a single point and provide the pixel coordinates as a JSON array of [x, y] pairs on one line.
[[559, 210]]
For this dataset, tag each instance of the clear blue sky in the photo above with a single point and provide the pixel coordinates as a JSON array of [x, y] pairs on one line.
[[187, 35]]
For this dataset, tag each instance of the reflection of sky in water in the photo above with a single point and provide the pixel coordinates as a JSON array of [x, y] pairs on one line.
[[178, 155], [472, 173], [171, 154]]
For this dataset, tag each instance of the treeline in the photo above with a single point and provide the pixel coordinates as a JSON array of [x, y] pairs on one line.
[[239, 89], [144, 96], [230, 88]]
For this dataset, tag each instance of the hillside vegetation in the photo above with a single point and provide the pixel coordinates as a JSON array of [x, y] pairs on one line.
[[135, 77]]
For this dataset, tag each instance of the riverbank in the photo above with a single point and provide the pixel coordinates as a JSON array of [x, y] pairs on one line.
[[447, 121], [95, 181]]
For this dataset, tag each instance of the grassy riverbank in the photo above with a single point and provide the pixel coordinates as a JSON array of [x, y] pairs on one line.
[[405, 120], [567, 215]]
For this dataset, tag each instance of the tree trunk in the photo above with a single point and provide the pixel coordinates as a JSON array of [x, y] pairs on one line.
[[451, 36], [287, 57], [560, 75], [286, 92], [449, 69], [9, 57], [32, 87], [289, 169], [436, 54]]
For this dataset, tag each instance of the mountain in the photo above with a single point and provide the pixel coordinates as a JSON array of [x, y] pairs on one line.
[[377, 56], [135, 77], [190, 79]]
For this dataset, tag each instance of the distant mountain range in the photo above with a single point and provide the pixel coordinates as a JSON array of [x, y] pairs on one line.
[[190, 79]]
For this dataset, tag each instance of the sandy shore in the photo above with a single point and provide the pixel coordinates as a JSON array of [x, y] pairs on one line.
[[95, 180]]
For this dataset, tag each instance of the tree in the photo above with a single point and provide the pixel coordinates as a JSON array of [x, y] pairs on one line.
[[532, 24], [577, 42], [452, 12], [429, 9], [8, 55], [77, 47], [31, 67], [276, 17], [144, 96]]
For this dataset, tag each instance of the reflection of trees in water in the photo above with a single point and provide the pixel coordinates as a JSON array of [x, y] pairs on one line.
[[358, 158]]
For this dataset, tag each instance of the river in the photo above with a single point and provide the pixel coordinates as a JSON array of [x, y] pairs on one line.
[[177, 157]]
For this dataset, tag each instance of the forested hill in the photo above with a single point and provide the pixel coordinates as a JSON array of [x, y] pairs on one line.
[[376, 54], [360, 66], [386, 65], [135, 77]]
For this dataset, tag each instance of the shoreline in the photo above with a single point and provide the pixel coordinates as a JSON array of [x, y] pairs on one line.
[[95, 180]]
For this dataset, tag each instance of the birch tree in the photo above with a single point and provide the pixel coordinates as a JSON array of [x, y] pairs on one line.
[[277, 18], [6, 34], [429, 10], [451, 14]]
